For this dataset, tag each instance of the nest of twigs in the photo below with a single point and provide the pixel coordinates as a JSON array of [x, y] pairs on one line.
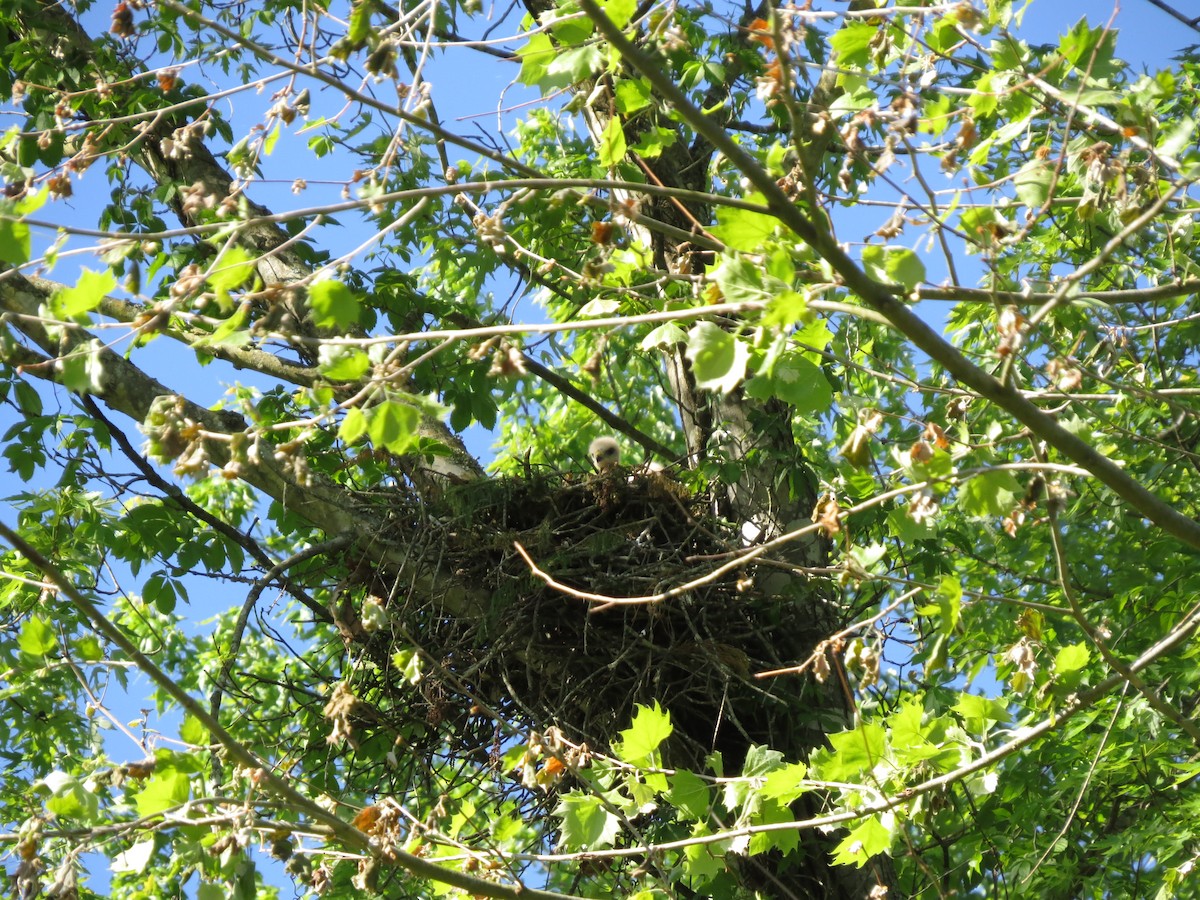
[[539, 654]]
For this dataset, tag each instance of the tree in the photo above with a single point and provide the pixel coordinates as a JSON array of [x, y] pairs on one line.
[[903, 605]]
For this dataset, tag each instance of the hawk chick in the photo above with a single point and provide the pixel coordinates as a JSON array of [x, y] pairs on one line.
[[605, 454]]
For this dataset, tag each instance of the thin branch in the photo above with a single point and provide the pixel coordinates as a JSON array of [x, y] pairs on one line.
[[1182, 631], [1099, 641], [187, 505], [602, 412], [264, 772], [235, 641], [1087, 780], [903, 319]]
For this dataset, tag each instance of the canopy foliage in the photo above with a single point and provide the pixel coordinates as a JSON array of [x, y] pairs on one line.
[[892, 312]]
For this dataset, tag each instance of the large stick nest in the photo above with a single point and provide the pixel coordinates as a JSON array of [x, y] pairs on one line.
[[542, 656]]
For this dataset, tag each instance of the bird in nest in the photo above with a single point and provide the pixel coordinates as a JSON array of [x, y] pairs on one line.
[[605, 454]]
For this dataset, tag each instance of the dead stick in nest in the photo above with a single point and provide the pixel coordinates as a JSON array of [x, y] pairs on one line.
[[605, 600]]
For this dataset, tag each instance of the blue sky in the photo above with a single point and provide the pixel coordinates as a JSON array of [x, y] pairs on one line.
[[1148, 38]]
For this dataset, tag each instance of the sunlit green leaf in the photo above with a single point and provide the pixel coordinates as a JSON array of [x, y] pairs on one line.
[[16, 244], [632, 94], [689, 794], [392, 425], [991, 493], [651, 726], [894, 264], [37, 637], [865, 840], [718, 358], [612, 143], [69, 798], [851, 43], [1033, 182], [787, 783], [233, 268], [743, 229], [333, 305], [339, 362], [74, 303], [135, 859], [166, 788], [586, 823]]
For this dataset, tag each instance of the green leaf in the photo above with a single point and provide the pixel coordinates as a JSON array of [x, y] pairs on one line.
[[353, 426], [654, 140], [705, 861], [852, 752], [572, 66], [1032, 183], [339, 362], [599, 306], [392, 426], [28, 400], [784, 840], [664, 337], [37, 637], [333, 305], [612, 143], [231, 270], [567, 30], [1178, 137], [135, 859], [908, 529], [82, 370], [74, 303], [193, 732], [740, 282], [852, 44], [905, 726], [651, 726], [981, 712], [743, 229], [16, 245], [795, 381], [947, 606], [868, 839], [536, 57], [160, 590], [620, 11], [360, 23], [1071, 659], [167, 788], [407, 663], [905, 267], [230, 333], [761, 760], [1090, 49], [88, 648], [586, 823], [989, 494], [69, 799], [894, 264], [718, 358], [632, 94], [786, 784], [689, 794], [785, 309]]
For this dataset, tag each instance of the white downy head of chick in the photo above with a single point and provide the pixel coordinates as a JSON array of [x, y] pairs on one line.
[[605, 454]]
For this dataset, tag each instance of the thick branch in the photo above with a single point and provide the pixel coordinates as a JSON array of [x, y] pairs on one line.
[[125, 388], [902, 318], [265, 773]]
